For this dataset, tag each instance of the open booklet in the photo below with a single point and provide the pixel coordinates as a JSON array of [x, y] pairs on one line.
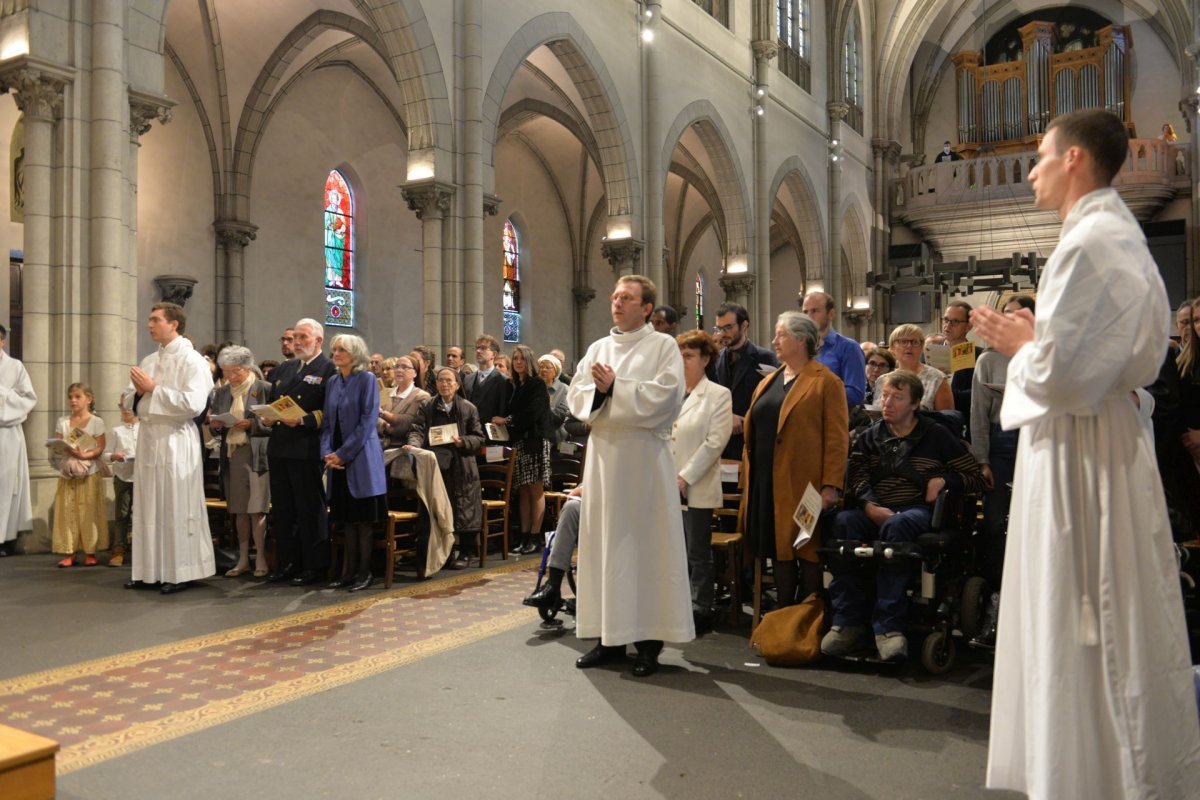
[[806, 515], [497, 433], [282, 410], [442, 434], [77, 438]]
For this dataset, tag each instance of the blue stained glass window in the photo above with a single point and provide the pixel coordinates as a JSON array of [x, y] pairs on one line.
[[340, 232]]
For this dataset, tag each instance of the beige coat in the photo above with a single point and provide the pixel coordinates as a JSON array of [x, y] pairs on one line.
[[698, 438]]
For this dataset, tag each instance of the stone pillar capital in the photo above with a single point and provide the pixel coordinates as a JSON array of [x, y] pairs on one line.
[[235, 233], [764, 49], [39, 94], [737, 284], [175, 289], [583, 295], [491, 204], [837, 111], [623, 254], [144, 109], [428, 199]]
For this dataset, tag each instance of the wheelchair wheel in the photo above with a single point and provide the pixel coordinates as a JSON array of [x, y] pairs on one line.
[[938, 652], [975, 597]]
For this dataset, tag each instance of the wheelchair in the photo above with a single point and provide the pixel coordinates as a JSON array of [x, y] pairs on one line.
[[949, 595], [565, 604]]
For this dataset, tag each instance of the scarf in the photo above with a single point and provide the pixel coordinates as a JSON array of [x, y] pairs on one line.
[[236, 437]]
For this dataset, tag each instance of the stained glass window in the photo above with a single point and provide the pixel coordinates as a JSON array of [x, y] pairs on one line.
[[339, 251], [699, 302], [511, 288]]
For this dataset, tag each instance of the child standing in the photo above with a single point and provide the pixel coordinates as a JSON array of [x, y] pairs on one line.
[[79, 519], [124, 450]]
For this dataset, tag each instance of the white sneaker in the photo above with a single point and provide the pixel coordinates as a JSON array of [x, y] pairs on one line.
[[845, 641], [892, 646]]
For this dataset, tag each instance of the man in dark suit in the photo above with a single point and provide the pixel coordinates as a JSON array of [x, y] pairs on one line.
[[294, 456], [738, 367], [487, 388]]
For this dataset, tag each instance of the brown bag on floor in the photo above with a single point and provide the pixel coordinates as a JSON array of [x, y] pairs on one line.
[[791, 636]]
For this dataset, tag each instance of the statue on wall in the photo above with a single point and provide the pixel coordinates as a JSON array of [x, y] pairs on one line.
[[16, 164]]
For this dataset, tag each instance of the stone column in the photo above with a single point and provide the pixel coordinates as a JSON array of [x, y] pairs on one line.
[[143, 110], [833, 266], [472, 182], [625, 256], [654, 176], [583, 296], [232, 237], [40, 98], [764, 51], [1190, 106], [430, 201], [737, 286]]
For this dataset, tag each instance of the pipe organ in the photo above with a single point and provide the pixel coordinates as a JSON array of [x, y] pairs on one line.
[[1006, 107]]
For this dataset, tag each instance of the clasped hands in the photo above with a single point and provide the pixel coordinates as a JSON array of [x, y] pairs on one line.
[[603, 376], [142, 382], [880, 514], [334, 461]]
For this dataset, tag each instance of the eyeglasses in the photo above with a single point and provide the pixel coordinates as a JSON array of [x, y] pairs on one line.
[[877, 365], [948, 321], [285, 338], [908, 342], [730, 328]]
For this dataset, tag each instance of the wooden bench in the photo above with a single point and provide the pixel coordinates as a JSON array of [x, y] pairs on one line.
[[26, 765]]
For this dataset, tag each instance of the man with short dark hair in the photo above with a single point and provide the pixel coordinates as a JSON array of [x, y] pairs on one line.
[[17, 399], [172, 544], [840, 353], [633, 582], [947, 154], [739, 368], [454, 358], [665, 320], [285, 342], [1093, 694], [897, 468], [487, 388]]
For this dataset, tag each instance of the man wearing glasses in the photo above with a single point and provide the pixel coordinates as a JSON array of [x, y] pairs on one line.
[[738, 366], [956, 324], [285, 342]]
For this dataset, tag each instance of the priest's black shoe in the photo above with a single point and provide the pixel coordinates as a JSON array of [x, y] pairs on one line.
[[600, 654], [365, 583], [140, 585], [172, 588], [306, 577], [547, 596], [280, 575], [645, 665]]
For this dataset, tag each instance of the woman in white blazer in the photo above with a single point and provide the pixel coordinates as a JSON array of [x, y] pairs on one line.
[[699, 436]]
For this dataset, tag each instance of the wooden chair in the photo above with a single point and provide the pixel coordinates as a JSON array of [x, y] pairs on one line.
[[402, 528], [495, 485], [727, 550], [566, 472], [219, 521]]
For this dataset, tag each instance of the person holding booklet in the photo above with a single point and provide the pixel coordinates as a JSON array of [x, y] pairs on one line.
[[898, 468], [531, 426], [80, 523], [449, 426], [905, 344]]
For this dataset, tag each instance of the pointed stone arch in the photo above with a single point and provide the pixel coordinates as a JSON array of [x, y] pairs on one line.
[[810, 222], [856, 246], [566, 39]]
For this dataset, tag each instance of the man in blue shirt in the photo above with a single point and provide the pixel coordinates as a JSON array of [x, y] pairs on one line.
[[840, 354]]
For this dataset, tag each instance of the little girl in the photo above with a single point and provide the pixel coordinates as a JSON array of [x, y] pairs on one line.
[[80, 521]]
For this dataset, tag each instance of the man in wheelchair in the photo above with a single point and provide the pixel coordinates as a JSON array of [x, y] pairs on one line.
[[896, 470]]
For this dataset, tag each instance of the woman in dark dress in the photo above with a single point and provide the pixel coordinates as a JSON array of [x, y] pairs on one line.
[[796, 433], [530, 427], [456, 459], [354, 457]]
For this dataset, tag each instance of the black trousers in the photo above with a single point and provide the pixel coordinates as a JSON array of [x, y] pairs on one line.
[[298, 514]]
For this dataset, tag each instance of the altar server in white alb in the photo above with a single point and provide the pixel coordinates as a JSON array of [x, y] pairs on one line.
[[633, 578], [1093, 693], [171, 540], [17, 399]]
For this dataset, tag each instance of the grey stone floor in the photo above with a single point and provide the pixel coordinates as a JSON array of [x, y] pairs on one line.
[[510, 716]]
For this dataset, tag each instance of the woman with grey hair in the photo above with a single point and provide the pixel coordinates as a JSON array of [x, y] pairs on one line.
[[242, 446], [353, 457], [797, 432]]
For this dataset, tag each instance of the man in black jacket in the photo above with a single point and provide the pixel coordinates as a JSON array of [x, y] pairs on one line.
[[738, 366], [487, 388], [294, 457]]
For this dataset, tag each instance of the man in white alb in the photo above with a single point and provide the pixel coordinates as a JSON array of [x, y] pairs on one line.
[[633, 576], [171, 540], [17, 399], [1093, 694]]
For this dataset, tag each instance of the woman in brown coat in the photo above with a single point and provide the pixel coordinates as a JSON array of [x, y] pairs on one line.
[[796, 433]]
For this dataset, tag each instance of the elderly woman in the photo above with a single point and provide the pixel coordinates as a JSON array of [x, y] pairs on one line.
[[403, 404], [548, 369], [242, 447], [905, 344], [879, 363], [797, 433], [456, 458], [387, 377], [353, 457], [531, 428], [698, 438]]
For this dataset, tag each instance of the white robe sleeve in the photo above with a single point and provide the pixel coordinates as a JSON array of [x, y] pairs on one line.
[[582, 391], [1081, 343], [16, 399], [648, 399], [183, 401]]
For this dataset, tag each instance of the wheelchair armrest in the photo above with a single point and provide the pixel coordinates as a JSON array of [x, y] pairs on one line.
[[941, 509]]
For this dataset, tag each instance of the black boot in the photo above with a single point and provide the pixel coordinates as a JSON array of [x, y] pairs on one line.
[[646, 663], [533, 544], [519, 545], [987, 636], [549, 594], [350, 567]]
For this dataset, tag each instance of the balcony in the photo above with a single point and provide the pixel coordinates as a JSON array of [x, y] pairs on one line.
[[984, 206]]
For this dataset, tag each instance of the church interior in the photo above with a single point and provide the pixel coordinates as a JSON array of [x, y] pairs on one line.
[[423, 172]]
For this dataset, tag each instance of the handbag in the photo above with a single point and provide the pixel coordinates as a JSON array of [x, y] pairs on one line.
[[791, 636]]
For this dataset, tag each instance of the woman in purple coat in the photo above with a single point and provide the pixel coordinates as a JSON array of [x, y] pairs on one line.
[[354, 457]]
